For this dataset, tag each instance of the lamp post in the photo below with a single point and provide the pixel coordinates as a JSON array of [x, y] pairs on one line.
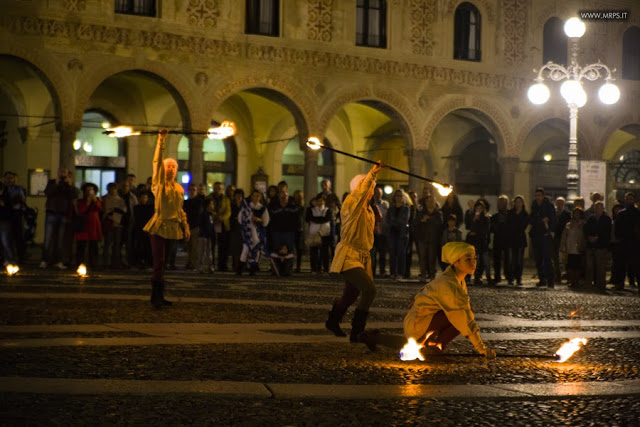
[[574, 94]]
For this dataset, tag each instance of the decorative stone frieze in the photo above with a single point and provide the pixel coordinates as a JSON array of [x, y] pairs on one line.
[[214, 49], [203, 13], [515, 30], [422, 17], [319, 21], [75, 5]]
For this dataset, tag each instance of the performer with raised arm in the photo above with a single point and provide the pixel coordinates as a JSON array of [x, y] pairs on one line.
[[169, 220], [352, 258]]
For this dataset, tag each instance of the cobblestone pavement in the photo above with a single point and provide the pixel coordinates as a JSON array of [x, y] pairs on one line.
[[252, 351]]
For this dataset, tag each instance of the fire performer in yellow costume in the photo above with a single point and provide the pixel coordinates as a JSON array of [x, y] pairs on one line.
[[441, 310], [169, 220], [352, 258]]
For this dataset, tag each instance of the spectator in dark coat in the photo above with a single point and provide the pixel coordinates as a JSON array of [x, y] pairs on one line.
[[563, 216], [628, 231], [298, 239], [60, 195], [450, 234], [501, 236], [235, 240], [517, 223], [542, 220], [428, 226], [597, 231], [397, 222], [143, 212], [193, 207], [479, 237], [284, 217]]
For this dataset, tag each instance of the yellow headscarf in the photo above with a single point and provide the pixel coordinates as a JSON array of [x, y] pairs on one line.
[[453, 251]]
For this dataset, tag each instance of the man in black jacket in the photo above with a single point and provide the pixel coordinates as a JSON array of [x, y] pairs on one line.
[[542, 220], [501, 241], [597, 231], [628, 232], [60, 195], [283, 222]]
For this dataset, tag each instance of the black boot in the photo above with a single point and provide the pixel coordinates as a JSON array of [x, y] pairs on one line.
[[239, 269], [333, 322], [156, 294], [164, 301], [358, 324]]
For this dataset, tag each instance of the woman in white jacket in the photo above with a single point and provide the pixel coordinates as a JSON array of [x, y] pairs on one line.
[[319, 218]]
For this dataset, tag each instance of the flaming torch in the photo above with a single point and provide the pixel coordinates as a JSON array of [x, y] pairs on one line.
[[568, 348], [411, 351], [12, 269], [82, 271], [315, 144], [225, 130]]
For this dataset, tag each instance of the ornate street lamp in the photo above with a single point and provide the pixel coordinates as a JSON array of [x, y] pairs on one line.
[[574, 94]]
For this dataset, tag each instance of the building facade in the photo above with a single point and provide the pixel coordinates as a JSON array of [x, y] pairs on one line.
[[435, 87]]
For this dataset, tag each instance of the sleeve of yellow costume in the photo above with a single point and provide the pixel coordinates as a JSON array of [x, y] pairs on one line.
[[157, 179]]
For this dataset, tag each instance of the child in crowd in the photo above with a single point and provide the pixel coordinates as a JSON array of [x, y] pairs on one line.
[[205, 234], [450, 234], [283, 260]]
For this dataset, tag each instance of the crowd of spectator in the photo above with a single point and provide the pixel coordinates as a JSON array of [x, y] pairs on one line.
[[232, 231]]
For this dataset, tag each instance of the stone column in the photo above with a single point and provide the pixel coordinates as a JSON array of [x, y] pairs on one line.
[[416, 161], [67, 153], [310, 173], [509, 167], [196, 158]]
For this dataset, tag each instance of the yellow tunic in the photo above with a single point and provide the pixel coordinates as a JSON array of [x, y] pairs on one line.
[[443, 293], [168, 219], [356, 232]]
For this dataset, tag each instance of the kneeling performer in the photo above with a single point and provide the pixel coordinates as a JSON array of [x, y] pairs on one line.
[[441, 310]]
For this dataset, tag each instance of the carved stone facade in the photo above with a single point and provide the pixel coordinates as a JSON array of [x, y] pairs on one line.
[[422, 15], [515, 22], [203, 13], [319, 20]]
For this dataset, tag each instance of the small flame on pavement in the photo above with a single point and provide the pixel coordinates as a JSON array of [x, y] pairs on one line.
[[411, 351], [82, 270], [574, 312], [568, 348], [12, 269]]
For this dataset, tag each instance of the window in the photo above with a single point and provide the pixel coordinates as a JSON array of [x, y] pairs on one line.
[[371, 23], [467, 33], [136, 7], [263, 17], [631, 54], [554, 42]]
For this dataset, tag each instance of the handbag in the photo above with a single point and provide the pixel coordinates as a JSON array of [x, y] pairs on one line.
[[313, 240]]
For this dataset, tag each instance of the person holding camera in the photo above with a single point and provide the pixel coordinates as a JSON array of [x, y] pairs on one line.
[[58, 207]]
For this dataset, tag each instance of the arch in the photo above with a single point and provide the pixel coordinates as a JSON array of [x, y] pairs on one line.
[[495, 120], [174, 84], [287, 93], [384, 100], [585, 145], [54, 84]]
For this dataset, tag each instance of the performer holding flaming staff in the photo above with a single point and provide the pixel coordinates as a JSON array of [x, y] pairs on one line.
[[352, 258], [169, 220], [441, 310]]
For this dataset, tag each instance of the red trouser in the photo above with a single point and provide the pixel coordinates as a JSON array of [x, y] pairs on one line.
[[443, 330], [158, 252]]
